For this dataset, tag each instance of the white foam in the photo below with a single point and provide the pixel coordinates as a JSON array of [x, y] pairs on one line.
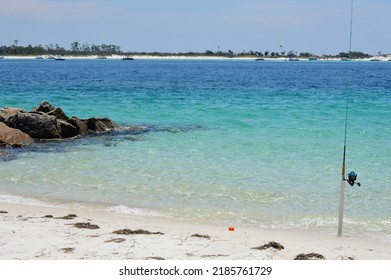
[[123, 209], [21, 200]]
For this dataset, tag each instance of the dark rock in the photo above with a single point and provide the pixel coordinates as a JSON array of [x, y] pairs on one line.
[[101, 125], [44, 107], [36, 124], [81, 125], [67, 129], [7, 112], [13, 137], [59, 114]]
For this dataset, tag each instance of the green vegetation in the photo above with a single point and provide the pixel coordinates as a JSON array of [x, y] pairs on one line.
[[77, 49]]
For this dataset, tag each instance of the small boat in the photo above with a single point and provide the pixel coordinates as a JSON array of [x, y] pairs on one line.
[[259, 59], [101, 57], [313, 58], [127, 58], [293, 59], [39, 57], [375, 59], [59, 58], [344, 59]]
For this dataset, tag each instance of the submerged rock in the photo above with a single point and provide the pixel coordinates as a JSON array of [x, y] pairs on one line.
[[13, 137], [36, 124], [101, 125]]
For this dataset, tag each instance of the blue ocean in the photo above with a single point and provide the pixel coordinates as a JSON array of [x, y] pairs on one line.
[[230, 142]]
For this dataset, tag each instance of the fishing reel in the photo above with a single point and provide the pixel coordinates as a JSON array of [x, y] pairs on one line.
[[352, 177]]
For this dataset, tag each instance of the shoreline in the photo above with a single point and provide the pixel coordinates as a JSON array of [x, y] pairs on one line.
[[47, 232], [174, 57]]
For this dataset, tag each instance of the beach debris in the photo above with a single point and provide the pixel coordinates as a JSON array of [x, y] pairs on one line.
[[86, 225], [67, 217], [310, 256], [3, 212], [231, 228], [116, 240], [155, 258], [133, 232], [48, 216], [68, 250], [214, 256], [200, 236], [346, 258], [271, 244]]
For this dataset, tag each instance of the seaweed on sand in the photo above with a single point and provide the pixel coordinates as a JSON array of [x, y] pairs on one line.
[[86, 225], [271, 244], [310, 256], [138, 231], [200, 236]]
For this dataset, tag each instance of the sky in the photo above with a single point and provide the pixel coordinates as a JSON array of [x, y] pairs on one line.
[[315, 26]]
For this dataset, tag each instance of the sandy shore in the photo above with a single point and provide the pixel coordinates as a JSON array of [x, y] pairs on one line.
[[40, 232]]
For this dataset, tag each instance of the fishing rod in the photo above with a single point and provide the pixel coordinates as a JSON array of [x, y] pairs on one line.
[[352, 176]]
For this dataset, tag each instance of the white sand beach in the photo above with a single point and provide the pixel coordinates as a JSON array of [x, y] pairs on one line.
[[31, 232]]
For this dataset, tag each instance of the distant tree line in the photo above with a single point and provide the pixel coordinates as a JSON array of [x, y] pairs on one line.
[[354, 55], [78, 49]]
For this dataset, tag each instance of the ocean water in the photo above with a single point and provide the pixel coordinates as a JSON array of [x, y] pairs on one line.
[[254, 143]]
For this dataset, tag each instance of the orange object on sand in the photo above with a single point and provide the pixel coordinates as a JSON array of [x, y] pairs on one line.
[[231, 228]]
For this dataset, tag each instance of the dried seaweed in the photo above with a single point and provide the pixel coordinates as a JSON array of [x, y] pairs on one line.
[[86, 225], [271, 244], [48, 216], [68, 250], [67, 217], [138, 231], [115, 240], [155, 258], [310, 256], [3, 212], [200, 236], [213, 256]]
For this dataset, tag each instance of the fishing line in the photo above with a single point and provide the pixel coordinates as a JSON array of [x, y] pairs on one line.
[[352, 176]]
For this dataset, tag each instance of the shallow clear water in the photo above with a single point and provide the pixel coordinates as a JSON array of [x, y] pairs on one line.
[[258, 143]]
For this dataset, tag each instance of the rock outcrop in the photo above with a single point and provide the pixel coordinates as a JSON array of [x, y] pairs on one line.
[[80, 125], [13, 137], [101, 125], [19, 127], [36, 124], [7, 112]]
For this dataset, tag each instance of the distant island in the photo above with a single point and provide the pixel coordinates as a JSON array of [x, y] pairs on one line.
[[81, 50]]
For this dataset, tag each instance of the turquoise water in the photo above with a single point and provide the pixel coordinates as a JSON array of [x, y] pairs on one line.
[[232, 142]]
